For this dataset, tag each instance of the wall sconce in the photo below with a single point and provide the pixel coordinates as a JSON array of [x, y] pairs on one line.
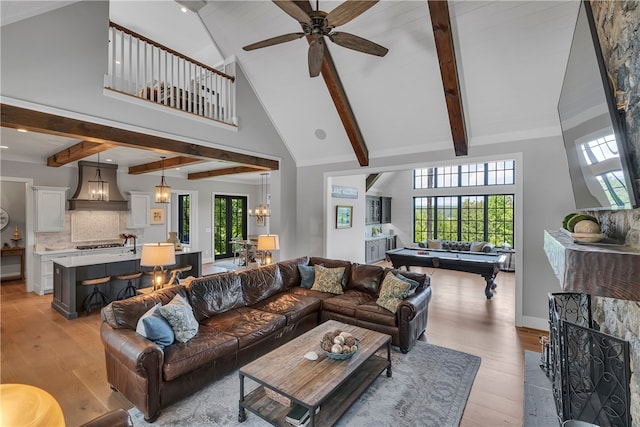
[[266, 244], [158, 256]]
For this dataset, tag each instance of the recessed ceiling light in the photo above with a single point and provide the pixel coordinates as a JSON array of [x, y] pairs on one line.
[[117, 61], [320, 134], [3, 146], [183, 9], [108, 160], [22, 130], [177, 169]]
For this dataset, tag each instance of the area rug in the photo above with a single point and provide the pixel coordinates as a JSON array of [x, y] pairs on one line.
[[539, 406], [429, 387]]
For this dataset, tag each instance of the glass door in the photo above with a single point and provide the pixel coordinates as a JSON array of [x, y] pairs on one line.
[[229, 222]]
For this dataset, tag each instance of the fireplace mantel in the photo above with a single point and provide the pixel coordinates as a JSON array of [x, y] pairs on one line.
[[611, 271]]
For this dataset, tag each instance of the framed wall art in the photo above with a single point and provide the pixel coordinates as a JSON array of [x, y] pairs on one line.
[[344, 216], [157, 216]]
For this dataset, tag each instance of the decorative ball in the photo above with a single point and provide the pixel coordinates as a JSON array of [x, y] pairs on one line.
[[354, 348], [326, 345], [349, 341], [345, 335], [336, 348], [586, 226], [338, 340], [346, 349]]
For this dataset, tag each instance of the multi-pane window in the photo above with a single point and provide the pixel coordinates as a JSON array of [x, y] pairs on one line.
[[468, 218], [184, 215], [471, 175]]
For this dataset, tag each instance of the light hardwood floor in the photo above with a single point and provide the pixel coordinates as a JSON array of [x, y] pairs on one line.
[[65, 357]]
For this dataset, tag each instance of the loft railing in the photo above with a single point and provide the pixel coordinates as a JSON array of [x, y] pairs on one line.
[[148, 70]]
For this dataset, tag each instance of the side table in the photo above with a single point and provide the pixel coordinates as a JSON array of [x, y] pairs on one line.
[[13, 252], [509, 264]]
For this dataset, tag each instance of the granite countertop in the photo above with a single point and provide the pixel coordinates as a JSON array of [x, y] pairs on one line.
[[72, 250], [378, 237]]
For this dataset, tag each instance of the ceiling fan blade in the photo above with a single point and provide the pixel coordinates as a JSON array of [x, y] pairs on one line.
[[358, 43], [293, 10], [316, 55], [274, 40], [348, 11]]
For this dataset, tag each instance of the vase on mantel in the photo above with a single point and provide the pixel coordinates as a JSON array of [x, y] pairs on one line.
[[173, 238]]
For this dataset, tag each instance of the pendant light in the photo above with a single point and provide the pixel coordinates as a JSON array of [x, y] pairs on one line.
[[262, 210], [163, 191], [98, 188]]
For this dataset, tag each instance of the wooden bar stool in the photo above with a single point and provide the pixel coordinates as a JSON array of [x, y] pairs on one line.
[[176, 273], [130, 290], [97, 294]]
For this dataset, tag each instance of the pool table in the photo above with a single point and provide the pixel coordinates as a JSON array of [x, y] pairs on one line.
[[485, 264]]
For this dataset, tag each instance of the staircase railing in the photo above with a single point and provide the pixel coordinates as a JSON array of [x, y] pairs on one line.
[[148, 70]]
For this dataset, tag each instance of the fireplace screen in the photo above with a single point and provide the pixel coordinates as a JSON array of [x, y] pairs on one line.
[[590, 370]]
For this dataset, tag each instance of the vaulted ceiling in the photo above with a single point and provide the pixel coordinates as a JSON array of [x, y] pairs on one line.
[[510, 58]]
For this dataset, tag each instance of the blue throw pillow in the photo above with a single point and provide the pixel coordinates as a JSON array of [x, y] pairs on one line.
[[154, 327], [413, 285], [308, 275]]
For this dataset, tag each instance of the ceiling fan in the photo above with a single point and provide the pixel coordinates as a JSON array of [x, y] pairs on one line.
[[319, 24]]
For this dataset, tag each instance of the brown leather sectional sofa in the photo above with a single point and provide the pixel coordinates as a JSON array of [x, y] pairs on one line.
[[241, 316]]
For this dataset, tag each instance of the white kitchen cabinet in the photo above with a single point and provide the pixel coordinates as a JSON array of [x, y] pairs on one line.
[[139, 209], [50, 207], [43, 265]]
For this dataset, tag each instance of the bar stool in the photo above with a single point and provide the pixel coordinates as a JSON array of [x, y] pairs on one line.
[[97, 293], [130, 290], [176, 273]]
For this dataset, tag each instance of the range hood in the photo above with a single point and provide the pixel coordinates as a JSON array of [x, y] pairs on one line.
[[81, 199]]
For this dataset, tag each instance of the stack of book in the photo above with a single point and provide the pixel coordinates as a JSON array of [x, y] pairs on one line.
[[299, 415]]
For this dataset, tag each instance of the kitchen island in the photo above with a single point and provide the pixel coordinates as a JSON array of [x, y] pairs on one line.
[[68, 272]]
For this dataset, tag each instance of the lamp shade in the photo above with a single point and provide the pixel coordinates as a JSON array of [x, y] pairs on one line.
[[158, 255], [268, 242]]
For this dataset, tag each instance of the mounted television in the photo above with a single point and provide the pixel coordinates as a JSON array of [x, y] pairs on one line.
[[592, 126]]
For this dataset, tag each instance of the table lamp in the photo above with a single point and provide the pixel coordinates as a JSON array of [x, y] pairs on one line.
[[266, 244], [158, 256]]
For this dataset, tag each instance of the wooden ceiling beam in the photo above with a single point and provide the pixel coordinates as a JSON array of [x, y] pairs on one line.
[[371, 179], [172, 162], [221, 172], [443, 35], [340, 100], [76, 152], [36, 121]]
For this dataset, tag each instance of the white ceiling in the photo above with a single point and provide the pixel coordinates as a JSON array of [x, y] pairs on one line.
[[511, 60]]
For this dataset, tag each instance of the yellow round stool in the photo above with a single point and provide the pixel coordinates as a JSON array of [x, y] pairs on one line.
[[23, 405]]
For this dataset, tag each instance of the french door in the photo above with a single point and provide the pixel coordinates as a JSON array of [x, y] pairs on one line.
[[229, 222]]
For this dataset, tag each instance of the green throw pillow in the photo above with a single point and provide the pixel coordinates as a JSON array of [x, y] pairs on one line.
[[392, 292], [179, 314], [328, 279]]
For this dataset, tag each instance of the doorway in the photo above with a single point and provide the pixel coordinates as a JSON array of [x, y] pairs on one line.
[[229, 222]]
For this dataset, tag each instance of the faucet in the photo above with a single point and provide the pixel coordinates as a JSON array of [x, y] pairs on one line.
[[134, 245], [126, 238]]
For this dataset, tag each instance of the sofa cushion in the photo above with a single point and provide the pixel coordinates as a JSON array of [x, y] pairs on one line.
[[179, 314], [333, 263], [215, 294], [328, 279], [348, 302], [155, 328], [310, 293], [434, 244], [392, 292], [125, 313], [207, 346], [260, 283], [290, 305], [307, 275], [248, 324], [476, 246], [365, 277], [422, 279], [289, 271], [413, 284], [373, 313]]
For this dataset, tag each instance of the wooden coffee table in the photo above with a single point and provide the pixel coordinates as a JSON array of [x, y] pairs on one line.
[[331, 385]]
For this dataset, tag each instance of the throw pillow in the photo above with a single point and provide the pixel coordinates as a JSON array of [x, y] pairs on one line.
[[392, 292], [328, 279], [476, 246], [413, 285], [307, 275], [434, 244], [179, 314], [155, 328]]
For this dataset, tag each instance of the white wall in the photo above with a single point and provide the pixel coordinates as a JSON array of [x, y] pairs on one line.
[[340, 242]]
